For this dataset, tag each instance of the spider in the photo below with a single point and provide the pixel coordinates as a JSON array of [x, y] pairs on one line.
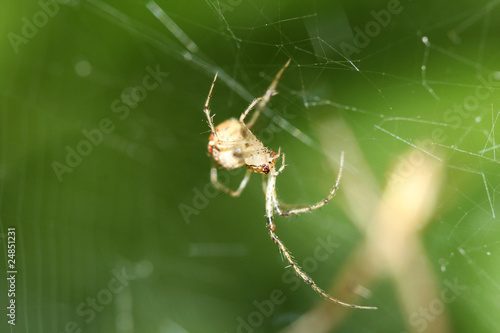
[[232, 145]]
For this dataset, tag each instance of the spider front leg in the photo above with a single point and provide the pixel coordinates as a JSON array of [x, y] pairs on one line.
[[215, 181], [315, 206], [283, 165], [207, 109], [249, 108], [271, 91]]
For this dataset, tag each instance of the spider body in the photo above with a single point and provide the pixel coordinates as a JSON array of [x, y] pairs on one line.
[[232, 145]]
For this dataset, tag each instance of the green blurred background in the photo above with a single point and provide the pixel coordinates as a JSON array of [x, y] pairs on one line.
[[132, 238]]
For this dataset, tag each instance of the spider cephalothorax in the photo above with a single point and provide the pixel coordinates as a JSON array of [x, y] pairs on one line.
[[232, 145]]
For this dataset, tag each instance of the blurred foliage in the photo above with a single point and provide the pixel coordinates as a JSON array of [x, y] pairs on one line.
[[120, 207]]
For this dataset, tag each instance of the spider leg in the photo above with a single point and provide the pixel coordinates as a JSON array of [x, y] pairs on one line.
[[249, 108], [271, 91], [218, 185], [283, 165], [206, 109], [312, 207], [270, 193]]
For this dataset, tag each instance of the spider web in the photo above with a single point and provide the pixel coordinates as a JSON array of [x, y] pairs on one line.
[[135, 239]]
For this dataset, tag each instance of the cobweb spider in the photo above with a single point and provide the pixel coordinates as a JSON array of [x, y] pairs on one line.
[[232, 145]]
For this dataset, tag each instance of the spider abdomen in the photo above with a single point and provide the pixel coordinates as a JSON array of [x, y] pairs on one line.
[[226, 145]]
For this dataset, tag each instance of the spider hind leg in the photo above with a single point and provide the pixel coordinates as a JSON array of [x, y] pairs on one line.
[[234, 193]]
